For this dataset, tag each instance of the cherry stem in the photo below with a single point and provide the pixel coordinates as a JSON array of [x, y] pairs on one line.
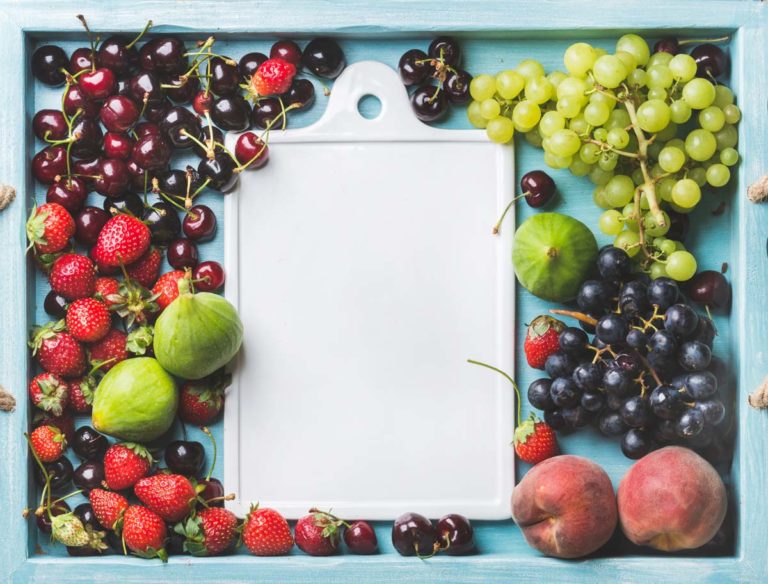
[[207, 432], [47, 476], [81, 18], [508, 378], [497, 227], [721, 39], [230, 497], [141, 34], [580, 316]]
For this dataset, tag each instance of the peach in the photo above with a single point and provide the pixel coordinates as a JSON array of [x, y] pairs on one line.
[[671, 499], [565, 507]]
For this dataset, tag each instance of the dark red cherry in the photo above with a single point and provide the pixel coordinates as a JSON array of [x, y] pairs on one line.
[[456, 86], [185, 457], [88, 136], [208, 276], [182, 92], [212, 489], [667, 45], [88, 444], [202, 102], [88, 224], [84, 512], [225, 77], [44, 520], [50, 124], [80, 60], [174, 182], [413, 534], [361, 538], [74, 100], [301, 94], [129, 203], [70, 193], [205, 138], [429, 103], [146, 128], [414, 67], [163, 222], [60, 472], [87, 169], [249, 63], [117, 145], [182, 253], [163, 55], [49, 163], [151, 152], [115, 54], [231, 113], [265, 111], [177, 124], [47, 64], [118, 113], [55, 305], [711, 61], [455, 535], [89, 475], [324, 57], [287, 51], [251, 150], [199, 223], [220, 171], [538, 188], [98, 84], [145, 84], [154, 112], [447, 49], [140, 179], [710, 288]]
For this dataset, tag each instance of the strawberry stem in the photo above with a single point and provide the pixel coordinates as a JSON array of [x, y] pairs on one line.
[[508, 378]]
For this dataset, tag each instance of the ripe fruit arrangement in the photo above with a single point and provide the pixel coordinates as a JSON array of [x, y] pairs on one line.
[[651, 130]]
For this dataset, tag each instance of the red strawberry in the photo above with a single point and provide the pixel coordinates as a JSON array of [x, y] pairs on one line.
[[123, 239], [202, 400], [58, 352], [167, 287], [266, 533], [111, 349], [171, 496], [146, 268], [144, 532], [88, 320], [81, 394], [104, 288], [125, 464], [273, 77], [108, 507], [317, 534], [210, 533], [542, 340], [73, 276], [49, 228], [48, 443], [535, 440], [65, 422], [49, 392]]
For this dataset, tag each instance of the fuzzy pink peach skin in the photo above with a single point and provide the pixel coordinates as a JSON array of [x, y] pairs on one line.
[[671, 499], [565, 507]]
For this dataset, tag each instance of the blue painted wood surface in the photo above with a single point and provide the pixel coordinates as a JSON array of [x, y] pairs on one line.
[[497, 35]]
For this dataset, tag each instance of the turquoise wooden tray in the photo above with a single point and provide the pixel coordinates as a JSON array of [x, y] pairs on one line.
[[495, 35]]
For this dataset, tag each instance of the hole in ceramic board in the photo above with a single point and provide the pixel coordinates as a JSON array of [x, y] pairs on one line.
[[369, 107]]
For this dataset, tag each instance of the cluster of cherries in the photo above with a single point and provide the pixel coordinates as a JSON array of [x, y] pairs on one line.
[[438, 76], [415, 535]]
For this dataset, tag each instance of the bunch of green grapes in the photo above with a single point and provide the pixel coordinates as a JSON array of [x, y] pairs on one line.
[[645, 129]]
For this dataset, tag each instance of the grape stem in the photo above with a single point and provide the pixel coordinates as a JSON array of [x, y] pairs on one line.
[[608, 147]]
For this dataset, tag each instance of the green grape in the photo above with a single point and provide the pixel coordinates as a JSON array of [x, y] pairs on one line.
[[554, 161], [699, 93], [482, 87], [533, 138], [579, 125], [664, 188], [652, 227], [618, 138], [578, 167], [619, 190], [700, 145], [604, 98], [508, 83], [600, 51], [589, 153], [608, 160], [723, 96], [698, 175], [727, 137], [564, 143], [660, 58], [718, 175], [611, 222], [571, 87], [579, 58], [657, 93], [637, 177], [619, 119], [636, 46], [609, 71], [637, 78], [676, 143], [686, 193], [500, 130], [644, 204], [712, 118], [569, 106], [556, 77], [682, 67], [667, 133], [653, 115], [681, 266], [659, 76], [538, 90], [668, 247], [551, 122], [679, 246], [630, 218], [729, 156], [671, 159], [530, 69], [656, 170], [598, 198], [474, 115], [630, 63], [599, 176], [600, 134], [654, 149], [490, 109], [658, 270], [526, 115], [596, 114], [732, 113], [628, 241], [680, 111]]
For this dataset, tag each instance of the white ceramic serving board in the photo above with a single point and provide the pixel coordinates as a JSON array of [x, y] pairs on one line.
[[362, 262]]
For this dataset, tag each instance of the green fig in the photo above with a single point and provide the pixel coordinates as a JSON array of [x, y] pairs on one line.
[[552, 255], [136, 401], [197, 333]]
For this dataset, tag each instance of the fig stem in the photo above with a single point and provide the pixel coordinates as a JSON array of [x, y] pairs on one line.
[[580, 316], [508, 378]]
